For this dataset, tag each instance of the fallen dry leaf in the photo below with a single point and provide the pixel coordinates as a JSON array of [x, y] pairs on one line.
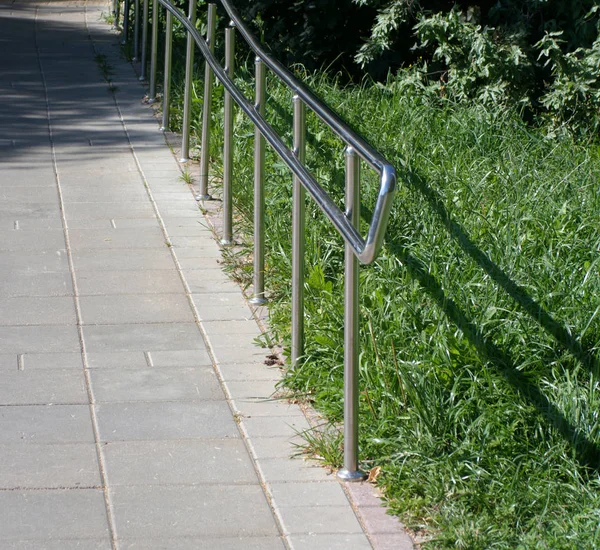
[[374, 473]]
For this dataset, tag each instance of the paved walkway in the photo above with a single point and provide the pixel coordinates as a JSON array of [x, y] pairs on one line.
[[134, 407]]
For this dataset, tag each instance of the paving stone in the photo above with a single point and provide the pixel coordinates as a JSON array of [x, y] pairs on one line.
[[118, 359], [203, 543], [111, 238], [35, 284], [165, 420], [241, 328], [42, 261], [42, 387], [40, 515], [249, 371], [39, 339], [376, 519], [280, 411], [276, 447], [213, 281], [46, 424], [210, 259], [94, 283], [122, 260], [185, 462], [31, 239], [179, 358], [30, 209], [33, 465], [32, 224], [165, 511], [319, 519], [237, 352], [154, 359], [274, 426], [29, 361], [386, 541], [221, 312], [71, 544], [340, 541], [255, 390], [136, 308], [179, 211], [307, 494], [123, 223], [91, 210], [158, 336], [104, 191], [166, 384], [37, 310], [292, 469], [193, 242], [170, 198], [195, 230]]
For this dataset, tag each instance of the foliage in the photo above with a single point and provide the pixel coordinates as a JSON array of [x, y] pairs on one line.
[[316, 33], [478, 64], [574, 94], [539, 55], [480, 325]]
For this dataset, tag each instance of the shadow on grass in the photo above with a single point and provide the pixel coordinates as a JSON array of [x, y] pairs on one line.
[[587, 452]]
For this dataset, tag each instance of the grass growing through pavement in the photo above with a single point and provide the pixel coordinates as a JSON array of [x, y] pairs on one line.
[[480, 322]]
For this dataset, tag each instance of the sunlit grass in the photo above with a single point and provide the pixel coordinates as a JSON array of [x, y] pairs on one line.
[[480, 321]]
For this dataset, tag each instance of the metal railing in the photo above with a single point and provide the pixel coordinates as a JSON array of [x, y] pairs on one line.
[[357, 248]]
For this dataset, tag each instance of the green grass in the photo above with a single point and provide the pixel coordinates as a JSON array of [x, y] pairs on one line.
[[480, 323]]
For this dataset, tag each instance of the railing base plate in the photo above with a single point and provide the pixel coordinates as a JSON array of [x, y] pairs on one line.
[[351, 475]]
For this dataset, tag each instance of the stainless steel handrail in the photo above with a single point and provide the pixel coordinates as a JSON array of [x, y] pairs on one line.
[[346, 223]]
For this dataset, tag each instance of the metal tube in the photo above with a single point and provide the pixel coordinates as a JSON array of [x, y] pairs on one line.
[[136, 30], [166, 109], [206, 111], [126, 10], [350, 471], [153, 53], [228, 141], [259, 193], [187, 100], [116, 12], [298, 237], [144, 40], [365, 248]]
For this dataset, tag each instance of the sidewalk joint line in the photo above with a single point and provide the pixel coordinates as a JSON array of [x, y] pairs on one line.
[[94, 419]]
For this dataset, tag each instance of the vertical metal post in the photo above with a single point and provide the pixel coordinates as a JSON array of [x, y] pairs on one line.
[[228, 140], [154, 52], [350, 471], [187, 100], [116, 12], [298, 237], [136, 30], [167, 83], [126, 10], [144, 40], [206, 111], [259, 193]]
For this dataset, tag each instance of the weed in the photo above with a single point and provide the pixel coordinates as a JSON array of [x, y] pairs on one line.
[[186, 177], [107, 71], [480, 331]]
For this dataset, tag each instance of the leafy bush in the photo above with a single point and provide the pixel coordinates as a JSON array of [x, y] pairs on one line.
[[573, 97], [539, 55]]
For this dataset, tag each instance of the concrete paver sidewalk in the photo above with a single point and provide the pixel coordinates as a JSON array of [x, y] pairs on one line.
[[134, 406]]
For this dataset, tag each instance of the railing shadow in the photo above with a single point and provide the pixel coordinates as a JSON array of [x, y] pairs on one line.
[[586, 451], [553, 327]]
